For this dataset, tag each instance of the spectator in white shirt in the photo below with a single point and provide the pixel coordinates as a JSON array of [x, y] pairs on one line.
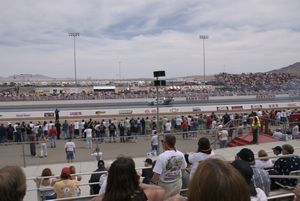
[[89, 134]]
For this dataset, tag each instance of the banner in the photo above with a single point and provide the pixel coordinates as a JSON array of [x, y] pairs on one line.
[[100, 112], [222, 108], [124, 112], [75, 113], [23, 115], [196, 109], [48, 114], [256, 106], [237, 107]]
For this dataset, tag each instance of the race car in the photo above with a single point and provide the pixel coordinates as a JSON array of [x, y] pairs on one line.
[[161, 101]]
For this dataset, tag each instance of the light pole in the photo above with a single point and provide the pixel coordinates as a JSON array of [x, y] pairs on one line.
[[120, 76], [158, 83], [203, 37], [74, 35]]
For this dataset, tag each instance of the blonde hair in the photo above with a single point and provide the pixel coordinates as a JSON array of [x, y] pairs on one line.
[[262, 153]]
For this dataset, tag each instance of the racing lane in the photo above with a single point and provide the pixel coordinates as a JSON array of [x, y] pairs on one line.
[[109, 104]]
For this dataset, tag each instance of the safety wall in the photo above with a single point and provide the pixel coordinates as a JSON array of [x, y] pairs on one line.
[[147, 110]]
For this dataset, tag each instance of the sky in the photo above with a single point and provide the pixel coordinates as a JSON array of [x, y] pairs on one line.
[[133, 38]]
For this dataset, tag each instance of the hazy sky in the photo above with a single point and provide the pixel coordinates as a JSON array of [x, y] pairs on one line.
[[142, 36]]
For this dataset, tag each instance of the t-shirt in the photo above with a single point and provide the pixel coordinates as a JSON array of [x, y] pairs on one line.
[[169, 165], [223, 135], [66, 188], [88, 132], [154, 140], [283, 166], [196, 158], [168, 126], [76, 125], [69, 146], [264, 164]]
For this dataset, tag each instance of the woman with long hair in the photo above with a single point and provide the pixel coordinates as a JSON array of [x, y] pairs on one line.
[[203, 152], [123, 184]]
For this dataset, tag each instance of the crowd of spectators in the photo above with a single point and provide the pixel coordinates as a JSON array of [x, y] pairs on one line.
[[242, 179], [224, 84], [226, 126], [257, 83]]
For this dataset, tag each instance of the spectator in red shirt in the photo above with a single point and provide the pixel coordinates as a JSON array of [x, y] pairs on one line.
[[185, 128], [53, 134]]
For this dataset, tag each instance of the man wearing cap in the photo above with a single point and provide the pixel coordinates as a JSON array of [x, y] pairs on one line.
[[66, 187], [94, 188], [246, 171], [260, 176], [147, 172], [283, 166], [168, 167]]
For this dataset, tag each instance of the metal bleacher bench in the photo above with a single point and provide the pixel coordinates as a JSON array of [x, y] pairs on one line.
[[284, 191]]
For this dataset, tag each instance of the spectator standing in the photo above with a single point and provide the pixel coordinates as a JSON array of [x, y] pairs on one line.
[[32, 145], [53, 134], [71, 131], [222, 136], [122, 132], [88, 132], [2, 133], [255, 128], [58, 129], [70, 150], [65, 129], [154, 143], [97, 154], [143, 126], [203, 152], [168, 167], [102, 132], [185, 129], [43, 142], [112, 132], [168, 127], [10, 132], [76, 128]]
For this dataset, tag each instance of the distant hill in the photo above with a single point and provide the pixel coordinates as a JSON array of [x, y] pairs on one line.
[[26, 77], [293, 69]]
